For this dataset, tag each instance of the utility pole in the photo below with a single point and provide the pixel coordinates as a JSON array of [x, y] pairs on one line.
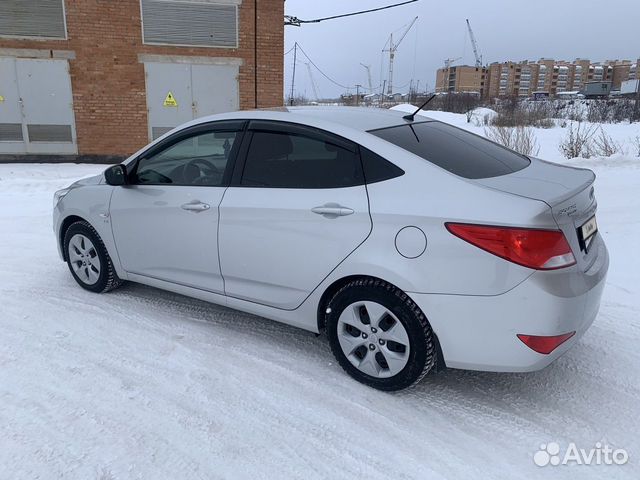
[[293, 78], [358, 94], [636, 110]]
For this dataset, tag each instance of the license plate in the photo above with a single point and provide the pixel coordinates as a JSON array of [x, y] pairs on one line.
[[588, 230]]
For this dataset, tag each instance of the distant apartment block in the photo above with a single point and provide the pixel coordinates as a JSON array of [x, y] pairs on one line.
[[461, 79], [543, 77]]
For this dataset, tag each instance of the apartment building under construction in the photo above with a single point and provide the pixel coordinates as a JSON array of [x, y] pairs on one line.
[[526, 78]]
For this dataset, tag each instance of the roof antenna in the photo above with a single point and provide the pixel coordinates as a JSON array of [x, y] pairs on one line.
[[411, 117]]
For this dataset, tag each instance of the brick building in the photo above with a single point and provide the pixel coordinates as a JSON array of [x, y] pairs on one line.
[[97, 79], [523, 79], [461, 79]]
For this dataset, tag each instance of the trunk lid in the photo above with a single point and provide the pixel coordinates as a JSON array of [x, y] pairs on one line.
[[567, 190]]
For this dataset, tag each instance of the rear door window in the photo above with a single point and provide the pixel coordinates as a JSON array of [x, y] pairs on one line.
[[288, 159], [458, 151]]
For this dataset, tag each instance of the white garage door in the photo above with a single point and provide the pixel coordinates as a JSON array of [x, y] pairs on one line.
[[36, 107], [179, 92]]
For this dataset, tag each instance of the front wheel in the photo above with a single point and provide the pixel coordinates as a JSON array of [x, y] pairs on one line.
[[88, 259], [379, 335]]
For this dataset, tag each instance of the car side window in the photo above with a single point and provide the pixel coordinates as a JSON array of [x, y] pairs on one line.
[[197, 160], [279, 159], [376, 168]]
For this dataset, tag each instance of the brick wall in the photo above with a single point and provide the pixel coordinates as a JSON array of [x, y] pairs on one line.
[[108, 80]]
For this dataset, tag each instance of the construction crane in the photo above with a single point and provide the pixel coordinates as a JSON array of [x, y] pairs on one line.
[[368, 69], [313, 83], [392, 53], [474, 44], [449, 61]]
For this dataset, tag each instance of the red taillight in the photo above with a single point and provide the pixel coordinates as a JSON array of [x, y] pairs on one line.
[[539, 249], [545, 345]]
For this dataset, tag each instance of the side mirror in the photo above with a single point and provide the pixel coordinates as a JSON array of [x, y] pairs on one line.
[[116, 175]]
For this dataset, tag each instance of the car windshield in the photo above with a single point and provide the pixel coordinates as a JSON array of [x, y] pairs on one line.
[[458, 151]]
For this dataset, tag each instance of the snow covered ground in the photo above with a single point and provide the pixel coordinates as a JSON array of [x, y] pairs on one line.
[[140, 383]]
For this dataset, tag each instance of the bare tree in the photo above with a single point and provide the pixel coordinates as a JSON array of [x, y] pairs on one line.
[[573, 111], [469, 115], [578, 141], [297, 100], [622, 110], [604, 145], [521, 139], [635, 142], [600, 111], [470, 102], [513, 112], [454, 102]]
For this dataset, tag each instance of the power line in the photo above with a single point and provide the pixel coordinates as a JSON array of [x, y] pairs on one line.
[[296, 22], [297, 47], [403, 86], [296, 62], [321, 72]]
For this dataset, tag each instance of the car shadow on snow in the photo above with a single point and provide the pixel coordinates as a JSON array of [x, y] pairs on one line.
[[182, 308], [559, 382]]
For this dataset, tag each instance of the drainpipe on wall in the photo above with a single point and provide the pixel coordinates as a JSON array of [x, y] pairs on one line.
[[255, 54]]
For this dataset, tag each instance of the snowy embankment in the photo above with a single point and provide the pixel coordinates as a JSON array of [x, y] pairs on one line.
[[140, 383]]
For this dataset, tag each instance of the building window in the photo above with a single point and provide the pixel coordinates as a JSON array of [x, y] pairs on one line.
[[32, 18], [201, 23]]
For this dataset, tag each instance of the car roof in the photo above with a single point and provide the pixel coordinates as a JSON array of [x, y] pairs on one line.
[[358, 118], [338, 119]]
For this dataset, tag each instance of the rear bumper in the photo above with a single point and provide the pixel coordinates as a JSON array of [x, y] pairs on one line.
[[479, 332]]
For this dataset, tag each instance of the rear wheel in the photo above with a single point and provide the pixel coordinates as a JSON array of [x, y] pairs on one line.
[[379, 335], [88, 259]]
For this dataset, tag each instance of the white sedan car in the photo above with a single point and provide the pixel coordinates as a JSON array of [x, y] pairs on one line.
[[412, 243]]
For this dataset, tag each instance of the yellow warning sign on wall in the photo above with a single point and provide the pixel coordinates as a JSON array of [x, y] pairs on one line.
[[170, 100], [1, 99]]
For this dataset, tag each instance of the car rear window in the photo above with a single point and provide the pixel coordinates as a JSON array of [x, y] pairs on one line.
[[456, 150]]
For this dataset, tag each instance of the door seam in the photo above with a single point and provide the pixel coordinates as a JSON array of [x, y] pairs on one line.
[[224, 283]]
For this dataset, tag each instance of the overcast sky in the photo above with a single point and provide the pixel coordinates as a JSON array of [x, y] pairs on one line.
[[505, 30]]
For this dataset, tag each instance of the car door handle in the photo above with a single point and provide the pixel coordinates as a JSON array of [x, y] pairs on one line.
[[332, 211], [195, 207]]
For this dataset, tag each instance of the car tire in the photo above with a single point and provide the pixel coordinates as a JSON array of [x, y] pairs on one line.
[[88, 259], [399, 346]]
